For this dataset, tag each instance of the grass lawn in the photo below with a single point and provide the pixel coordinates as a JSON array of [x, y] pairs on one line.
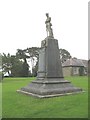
[[16, 105], [0, 100]]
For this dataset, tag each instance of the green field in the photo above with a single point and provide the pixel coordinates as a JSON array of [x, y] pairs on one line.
[[16, 105], [0, 100]]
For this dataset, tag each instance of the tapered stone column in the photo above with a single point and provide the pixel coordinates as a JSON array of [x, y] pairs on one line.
[[49, 61]]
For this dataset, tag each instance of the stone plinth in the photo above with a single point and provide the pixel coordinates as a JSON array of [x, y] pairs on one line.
[[49, 61], [50, 81]]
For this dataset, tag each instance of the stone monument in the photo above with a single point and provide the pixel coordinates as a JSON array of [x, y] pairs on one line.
[[50, 81]]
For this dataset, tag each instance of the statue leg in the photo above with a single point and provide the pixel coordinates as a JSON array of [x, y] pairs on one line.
[[51, 33]]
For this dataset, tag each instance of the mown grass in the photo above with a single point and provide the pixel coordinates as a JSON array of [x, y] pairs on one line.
[[16, 105], [0, 100]]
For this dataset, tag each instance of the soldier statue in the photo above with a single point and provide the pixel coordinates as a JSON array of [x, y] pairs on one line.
[[48, 26]]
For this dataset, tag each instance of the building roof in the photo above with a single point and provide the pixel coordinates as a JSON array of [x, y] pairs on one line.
[[75, 62], [85, 62]]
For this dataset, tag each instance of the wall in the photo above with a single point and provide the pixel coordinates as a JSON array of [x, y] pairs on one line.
[[67, 71], [73, 71]]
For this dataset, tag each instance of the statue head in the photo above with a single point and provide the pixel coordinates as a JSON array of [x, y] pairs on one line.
[[47, 14]]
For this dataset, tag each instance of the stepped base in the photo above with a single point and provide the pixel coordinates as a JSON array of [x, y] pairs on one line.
[[47, 96], [49, 87]]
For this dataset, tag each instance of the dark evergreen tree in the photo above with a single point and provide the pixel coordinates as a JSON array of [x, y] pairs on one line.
[[25, 69], [17, 67], [21, 54]]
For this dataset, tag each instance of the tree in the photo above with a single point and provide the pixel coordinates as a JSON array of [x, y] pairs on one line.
[[12, 65], [64, 55], [25, 69], [29, 53], [6, 63], [33, 53], [21, 54], [17, 67]]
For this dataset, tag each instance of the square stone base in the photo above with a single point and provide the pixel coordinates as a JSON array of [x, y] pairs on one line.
[[48, 96], [49, 87]]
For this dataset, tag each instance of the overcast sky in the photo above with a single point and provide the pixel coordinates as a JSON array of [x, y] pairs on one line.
[[22, 24]]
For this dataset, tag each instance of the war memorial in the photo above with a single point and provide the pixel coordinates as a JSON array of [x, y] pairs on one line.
[[50, 81]]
